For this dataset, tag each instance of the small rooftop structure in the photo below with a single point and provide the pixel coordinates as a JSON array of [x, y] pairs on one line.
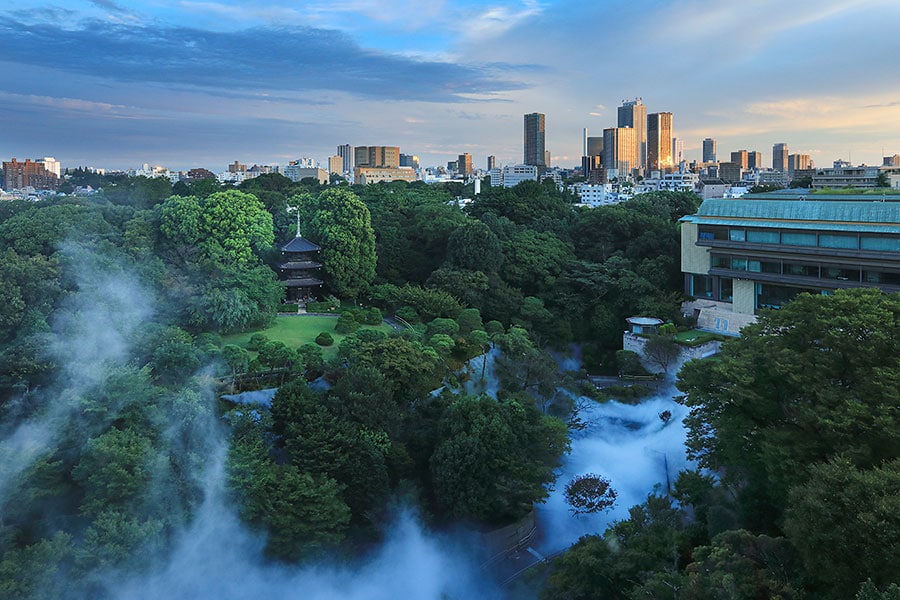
[[644, 325]]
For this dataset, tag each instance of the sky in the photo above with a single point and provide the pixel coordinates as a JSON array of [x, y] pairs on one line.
[[194, 83]]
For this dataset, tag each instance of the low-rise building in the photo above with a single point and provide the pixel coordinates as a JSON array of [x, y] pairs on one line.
[[366, 175]]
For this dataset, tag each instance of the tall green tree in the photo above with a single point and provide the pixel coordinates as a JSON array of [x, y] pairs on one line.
[[816, 379], [228, 228], [341, 224]]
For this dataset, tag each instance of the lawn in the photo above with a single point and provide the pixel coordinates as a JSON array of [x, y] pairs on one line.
[[695, 337], [294, 331]]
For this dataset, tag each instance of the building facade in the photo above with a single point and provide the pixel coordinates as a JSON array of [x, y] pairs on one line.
[[345, 151], [659, 141], [366, 175], [709, 150], [620, 151], [535, 140], [760, 251], [780, 157], [741, 157], [376, 156], [633, 113], [464, 164], [17, 175]]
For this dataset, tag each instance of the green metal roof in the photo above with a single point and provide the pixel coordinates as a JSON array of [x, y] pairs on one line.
[[831, 215]]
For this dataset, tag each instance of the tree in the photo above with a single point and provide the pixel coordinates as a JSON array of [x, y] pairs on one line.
[[816, 379], [341, 224], [589, 493], [882, 180], [662, 350], [845, 523], [495, 457], [475, 247], [229, 228], [115, 469]]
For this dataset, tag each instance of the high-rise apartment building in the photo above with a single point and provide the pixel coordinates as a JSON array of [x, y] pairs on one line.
[[709, 150], [491, 162], [659, 141], [798, 162], [335, 164], [345, 151], [464, 164], [534, 140], [376, 156], [409, 160], [620, 150], [754, 159], [30, 173], [677, 151], [633, 113], [740, 157], [780, 157]]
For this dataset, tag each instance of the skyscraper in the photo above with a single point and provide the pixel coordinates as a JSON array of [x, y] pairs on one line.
[[464, 164], [633, 113], [659, 141], [492, 162], [677, 151], [742, 158], [345, 151], [534, 140], [754, 159], [780, 157], [709, 150], [620, 150]]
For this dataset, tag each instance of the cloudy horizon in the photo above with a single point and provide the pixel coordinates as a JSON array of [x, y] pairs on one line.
[[203, 83]]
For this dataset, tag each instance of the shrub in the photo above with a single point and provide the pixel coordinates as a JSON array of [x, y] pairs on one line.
[[324, 339], [256, 340], [372, 316], [408, 314], [346, 324]]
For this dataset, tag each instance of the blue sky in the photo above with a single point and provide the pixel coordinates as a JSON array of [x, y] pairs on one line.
[[184, 83]]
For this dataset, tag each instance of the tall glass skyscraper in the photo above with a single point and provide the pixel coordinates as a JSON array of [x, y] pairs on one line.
[[534, 140], [633, 113], [659, 141], [709, 150]]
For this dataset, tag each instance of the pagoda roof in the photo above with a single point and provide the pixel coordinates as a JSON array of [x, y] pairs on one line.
[[300, 264], [300, 244], [304, 282]]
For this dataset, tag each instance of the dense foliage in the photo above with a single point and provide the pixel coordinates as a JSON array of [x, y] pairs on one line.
[[799, 420]]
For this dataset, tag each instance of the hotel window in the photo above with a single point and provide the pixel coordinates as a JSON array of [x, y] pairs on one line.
[[882, 277], [737, 235], [701, 286], [880, 244], [840, 273], [801, 270], [726, 289], [738, 264], [849, 242], [798, 239], [762, 237], [763, 266]]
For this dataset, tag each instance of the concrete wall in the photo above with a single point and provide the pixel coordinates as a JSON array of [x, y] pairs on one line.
[[694, 258], [744, 296]]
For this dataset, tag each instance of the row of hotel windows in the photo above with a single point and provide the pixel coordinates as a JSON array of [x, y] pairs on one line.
[[801, 238], [766, 295], [840, 273]]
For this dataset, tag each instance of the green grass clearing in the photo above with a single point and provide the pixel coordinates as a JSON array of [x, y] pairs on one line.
[[294, 331], [695, 337]]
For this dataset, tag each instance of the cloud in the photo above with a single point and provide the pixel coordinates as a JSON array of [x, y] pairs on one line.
[[282, 59]]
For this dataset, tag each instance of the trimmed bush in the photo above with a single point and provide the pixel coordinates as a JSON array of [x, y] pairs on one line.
[[372, 316], [256, 340], [346, 324], [324, 339]]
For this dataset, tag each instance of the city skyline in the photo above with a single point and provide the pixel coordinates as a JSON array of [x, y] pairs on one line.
[[117, 83]]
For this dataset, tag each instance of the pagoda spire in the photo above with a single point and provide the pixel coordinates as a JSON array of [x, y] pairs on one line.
[[296, 209]]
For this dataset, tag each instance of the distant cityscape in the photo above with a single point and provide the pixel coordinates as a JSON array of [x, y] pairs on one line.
[[640, 154]]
